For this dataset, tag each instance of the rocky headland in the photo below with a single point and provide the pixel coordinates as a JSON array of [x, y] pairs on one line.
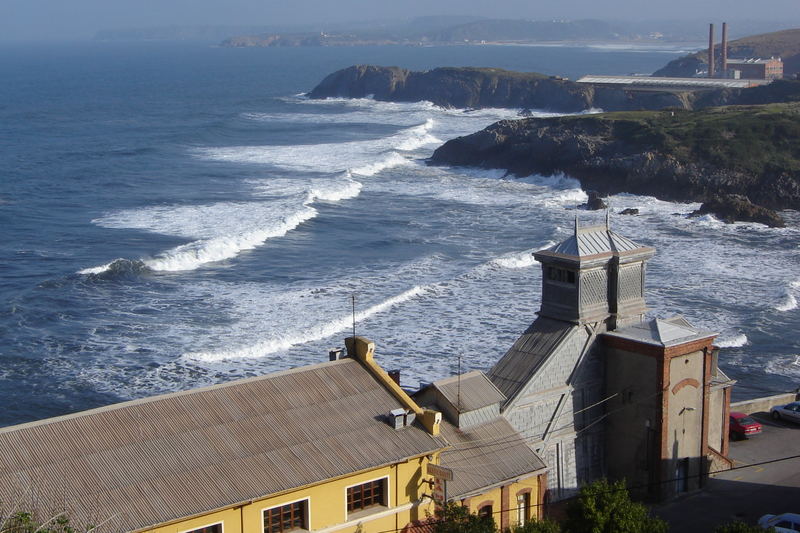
[[468, 87], [750, 151]]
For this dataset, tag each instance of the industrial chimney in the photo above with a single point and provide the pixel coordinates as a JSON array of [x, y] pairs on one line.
[[710, 50], [724, 65]]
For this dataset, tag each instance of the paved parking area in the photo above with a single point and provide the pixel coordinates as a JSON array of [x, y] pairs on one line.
[[758, 485]]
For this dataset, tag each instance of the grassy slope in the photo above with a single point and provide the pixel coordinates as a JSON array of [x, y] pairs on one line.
[[753, 139]]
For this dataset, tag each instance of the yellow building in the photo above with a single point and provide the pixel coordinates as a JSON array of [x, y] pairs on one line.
[[313, 448], [493, 471], [332, 447]]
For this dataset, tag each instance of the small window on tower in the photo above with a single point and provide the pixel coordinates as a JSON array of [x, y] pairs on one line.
[[561, 274]]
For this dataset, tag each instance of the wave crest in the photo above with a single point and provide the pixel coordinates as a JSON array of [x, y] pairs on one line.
[[318, 332]]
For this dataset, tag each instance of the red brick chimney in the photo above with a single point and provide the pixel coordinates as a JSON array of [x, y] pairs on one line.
[[724, 48], [710, 50]]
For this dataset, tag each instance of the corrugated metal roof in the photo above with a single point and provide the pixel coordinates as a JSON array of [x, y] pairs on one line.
[[651, 81], [594, 240], [484, 455], [476, 391], [662, 332], [146, 462], [530, 350]]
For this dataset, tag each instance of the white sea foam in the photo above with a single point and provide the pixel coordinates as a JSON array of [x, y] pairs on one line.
[[788, 303], [284, 341], [735, 341], [98, 269], [196, 254], [329, 157]]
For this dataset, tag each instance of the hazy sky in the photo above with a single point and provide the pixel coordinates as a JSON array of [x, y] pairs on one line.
[[80, 19]]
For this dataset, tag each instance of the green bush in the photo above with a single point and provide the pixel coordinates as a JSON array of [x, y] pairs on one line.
[[603, 507]]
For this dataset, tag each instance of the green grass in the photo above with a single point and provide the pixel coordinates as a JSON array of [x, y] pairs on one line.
[[754, 139]]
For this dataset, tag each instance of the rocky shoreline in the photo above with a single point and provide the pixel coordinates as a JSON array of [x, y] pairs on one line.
[[467, 87], [651, 155]]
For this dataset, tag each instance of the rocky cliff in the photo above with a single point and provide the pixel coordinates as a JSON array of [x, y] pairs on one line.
[[486, 87], [673, 155]]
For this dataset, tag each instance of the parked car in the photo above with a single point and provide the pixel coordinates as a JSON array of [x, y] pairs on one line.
[[782, 523], [743, 426], [790, 411]]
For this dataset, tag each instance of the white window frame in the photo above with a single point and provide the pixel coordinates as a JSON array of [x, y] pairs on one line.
[[387, 491], [307, 499], [221, 523]]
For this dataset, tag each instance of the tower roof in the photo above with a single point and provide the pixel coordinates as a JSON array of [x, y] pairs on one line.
[[594, 242], [662, 332]]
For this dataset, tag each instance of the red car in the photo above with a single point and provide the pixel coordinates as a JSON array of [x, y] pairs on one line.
[[743, 426]]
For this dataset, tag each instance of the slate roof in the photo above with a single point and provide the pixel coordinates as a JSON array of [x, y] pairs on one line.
[[531, 349], [594, 240], [476, 391], [485, 455], [145, 462], [662, 332]]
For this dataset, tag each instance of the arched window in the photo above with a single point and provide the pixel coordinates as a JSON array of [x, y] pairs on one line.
[[485, 510]]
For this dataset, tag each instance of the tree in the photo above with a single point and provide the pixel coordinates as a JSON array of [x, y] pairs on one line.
[[455, 518], [25, 522], [537, 526], [603, 507]]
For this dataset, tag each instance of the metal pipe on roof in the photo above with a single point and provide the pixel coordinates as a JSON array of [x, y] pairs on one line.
[[711, 50]]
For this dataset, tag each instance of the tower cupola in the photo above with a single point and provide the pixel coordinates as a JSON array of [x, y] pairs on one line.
[[595, 275]]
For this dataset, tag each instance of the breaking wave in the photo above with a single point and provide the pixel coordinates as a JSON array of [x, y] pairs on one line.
[[318, 332], [736, 341]]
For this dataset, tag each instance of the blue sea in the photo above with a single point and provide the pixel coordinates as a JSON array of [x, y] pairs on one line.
[[180, 215]]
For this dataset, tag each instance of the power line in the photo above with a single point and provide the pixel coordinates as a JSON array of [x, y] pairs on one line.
[[625, 488]]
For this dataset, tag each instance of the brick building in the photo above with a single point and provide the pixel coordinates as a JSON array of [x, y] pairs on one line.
[[591, 384]]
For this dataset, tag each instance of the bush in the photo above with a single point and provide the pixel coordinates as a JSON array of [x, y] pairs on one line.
[[603, 507]]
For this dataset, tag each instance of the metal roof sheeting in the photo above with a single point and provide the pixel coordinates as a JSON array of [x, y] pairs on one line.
[[146, 462], [662, 332], [594, 240], [675, 83], [485, 455], [512, 372], [476, 391]]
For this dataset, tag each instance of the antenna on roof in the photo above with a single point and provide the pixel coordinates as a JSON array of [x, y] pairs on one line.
[[608, 219], [576, 224], [353, 298]]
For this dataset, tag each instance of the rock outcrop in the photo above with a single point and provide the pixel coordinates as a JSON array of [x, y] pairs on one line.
[[487, 87], [734, 207], [688, 156]]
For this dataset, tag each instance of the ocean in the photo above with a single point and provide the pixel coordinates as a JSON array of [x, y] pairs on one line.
[[180, 215]]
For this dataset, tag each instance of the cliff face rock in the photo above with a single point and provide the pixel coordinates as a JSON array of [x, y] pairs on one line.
[[734, 207], [486, 87], [679, 157]]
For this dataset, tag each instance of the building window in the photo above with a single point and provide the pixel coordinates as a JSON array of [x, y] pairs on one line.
[[560, 274], [213, 528], [523, 508], [485, 511], [287, 517], [366, 495]]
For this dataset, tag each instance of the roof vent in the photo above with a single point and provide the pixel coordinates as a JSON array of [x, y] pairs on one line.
[[400, 418], [336, 354]]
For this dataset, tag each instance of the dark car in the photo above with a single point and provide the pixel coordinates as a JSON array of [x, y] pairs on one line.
[[742, 426]]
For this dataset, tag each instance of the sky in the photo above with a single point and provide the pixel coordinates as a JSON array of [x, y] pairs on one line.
[[32, 20]]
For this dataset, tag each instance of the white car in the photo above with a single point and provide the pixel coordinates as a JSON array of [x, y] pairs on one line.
[[790, 411], [782, 523]]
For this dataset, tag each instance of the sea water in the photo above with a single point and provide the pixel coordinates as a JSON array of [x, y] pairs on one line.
[[176, 216]]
